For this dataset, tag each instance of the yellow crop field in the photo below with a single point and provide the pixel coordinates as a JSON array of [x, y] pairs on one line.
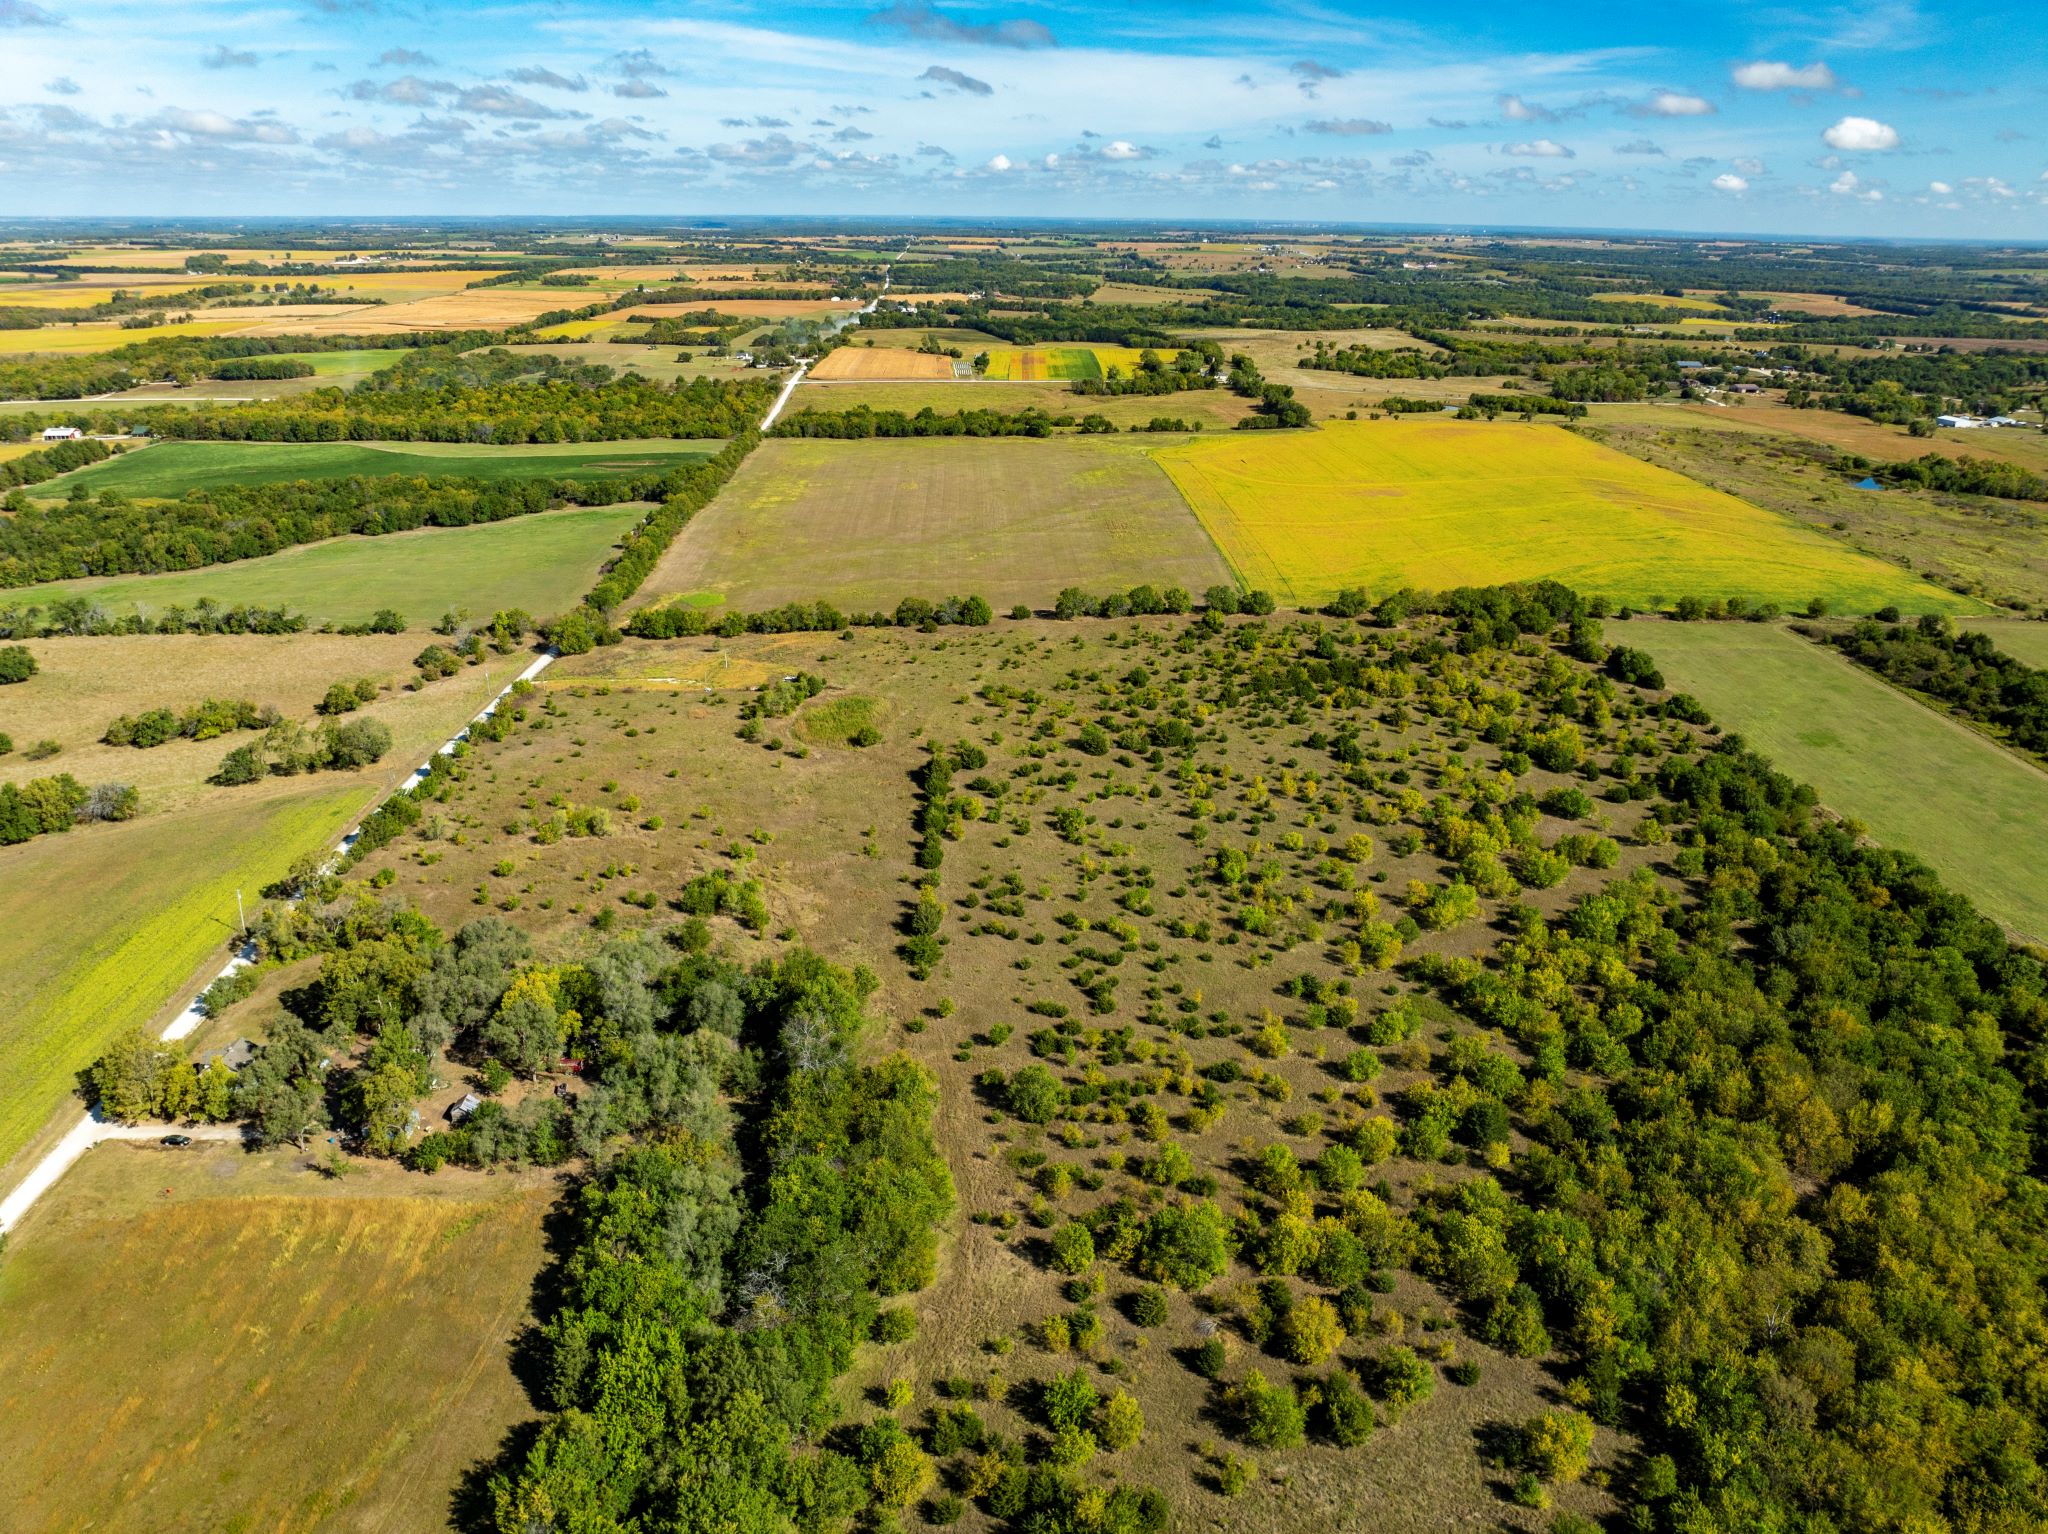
[[104, 338], [898, 363], [1038, 364], [1439, 503], [212, 1340], [480, 309]]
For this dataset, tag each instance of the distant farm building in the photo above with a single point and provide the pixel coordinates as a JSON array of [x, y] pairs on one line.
[[463, 1107], [62, 434], [1961, 422]]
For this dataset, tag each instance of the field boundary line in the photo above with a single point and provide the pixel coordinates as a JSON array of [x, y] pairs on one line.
[[91, 1129], [1236, 574]]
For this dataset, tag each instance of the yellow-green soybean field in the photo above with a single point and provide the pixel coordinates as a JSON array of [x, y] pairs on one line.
[[1440, 503]]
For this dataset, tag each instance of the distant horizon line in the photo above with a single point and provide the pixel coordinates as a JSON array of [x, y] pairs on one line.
[[702, 221]]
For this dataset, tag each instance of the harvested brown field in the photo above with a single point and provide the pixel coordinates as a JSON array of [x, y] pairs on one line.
[[745, 308], [477, 309], [883, 362]]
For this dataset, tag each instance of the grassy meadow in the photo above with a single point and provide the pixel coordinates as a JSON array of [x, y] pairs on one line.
[[84, 683], [210, 1340], [865, 524], [1919, 781], [542, 563], [1442, 503], [166, 470]]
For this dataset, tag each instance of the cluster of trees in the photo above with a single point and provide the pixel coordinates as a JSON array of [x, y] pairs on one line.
[[1965, 672], [1491, 405], [289, 748], [44, 806], [1195, 366], [765, 1284], [170, 359], [864, 421], [139, 1078], [17, 664], [1811, 1091], [676, 622], [83, 616], [34, 468], [1959, 476], [1274, 404], [202, 721], [111, 535], [559, 405]]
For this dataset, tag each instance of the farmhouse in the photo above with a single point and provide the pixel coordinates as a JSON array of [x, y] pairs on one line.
[[62, 434]]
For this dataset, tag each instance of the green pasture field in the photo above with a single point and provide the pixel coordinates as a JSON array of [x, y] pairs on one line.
[[166, 470], [865, 524], [101, 926], [266, 1349], [2025, 642], [542, 563], [1921, 782], [1439, 503]]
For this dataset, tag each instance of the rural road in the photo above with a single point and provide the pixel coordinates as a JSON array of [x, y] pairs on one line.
[[90, 1129], [85, 1134]]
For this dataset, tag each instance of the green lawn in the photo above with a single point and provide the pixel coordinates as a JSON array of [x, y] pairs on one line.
[[542, 563], [169, 469], [1920, 782]]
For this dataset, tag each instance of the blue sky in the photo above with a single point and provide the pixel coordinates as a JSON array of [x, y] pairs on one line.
[[1891, 119]]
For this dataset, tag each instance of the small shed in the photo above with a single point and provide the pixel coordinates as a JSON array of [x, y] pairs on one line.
[[463, 1107]]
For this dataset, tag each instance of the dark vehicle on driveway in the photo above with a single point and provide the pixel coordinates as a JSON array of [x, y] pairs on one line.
[[177, 1141]]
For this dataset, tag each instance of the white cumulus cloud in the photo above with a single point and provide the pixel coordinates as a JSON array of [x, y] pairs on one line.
[[999, 162], [1679, 104], [1861, 133], [1770, 75], [1727, 183], [1539, 149]]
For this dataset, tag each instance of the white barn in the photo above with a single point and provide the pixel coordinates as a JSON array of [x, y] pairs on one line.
[[62, 434]]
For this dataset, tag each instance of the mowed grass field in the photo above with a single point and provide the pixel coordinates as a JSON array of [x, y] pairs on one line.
[[865, 524], [1974, 811], [101, 926], [168, 469], [1440, 503], [210, 1340], [543, 563]]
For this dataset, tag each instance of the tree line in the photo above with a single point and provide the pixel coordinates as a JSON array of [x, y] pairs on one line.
[[1964, 672]]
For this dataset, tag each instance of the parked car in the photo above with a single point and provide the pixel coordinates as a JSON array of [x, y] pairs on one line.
[[176, 1141]]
